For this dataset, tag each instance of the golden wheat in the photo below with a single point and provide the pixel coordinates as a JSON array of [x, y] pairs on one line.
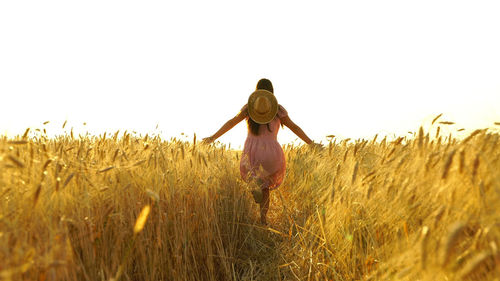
[[436, 118], [16, 161], [455, 233], [447, 164], [69, 206], [424, 246]]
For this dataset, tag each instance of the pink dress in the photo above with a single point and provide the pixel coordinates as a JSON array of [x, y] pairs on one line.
[[262, 156]]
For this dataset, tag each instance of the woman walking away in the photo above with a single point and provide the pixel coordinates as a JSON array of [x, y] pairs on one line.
[[263, 159]]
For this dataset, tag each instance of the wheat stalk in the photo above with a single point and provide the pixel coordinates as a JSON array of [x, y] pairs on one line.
[[436, 118], [473, 265], [447, 164], [456, 231], [16, 161], [423, 246], [475, 167]]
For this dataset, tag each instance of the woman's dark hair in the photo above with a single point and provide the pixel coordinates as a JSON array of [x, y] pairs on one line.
[[263, 84]]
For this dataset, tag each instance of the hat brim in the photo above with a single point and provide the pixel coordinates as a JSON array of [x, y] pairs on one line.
[[268, 116]]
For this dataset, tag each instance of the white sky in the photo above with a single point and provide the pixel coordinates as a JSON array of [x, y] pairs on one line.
[[348, 68]]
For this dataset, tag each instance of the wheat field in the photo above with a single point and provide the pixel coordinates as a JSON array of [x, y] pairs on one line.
[[127, 207]]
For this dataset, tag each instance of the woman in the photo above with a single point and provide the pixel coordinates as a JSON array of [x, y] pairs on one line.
[[263, 159]]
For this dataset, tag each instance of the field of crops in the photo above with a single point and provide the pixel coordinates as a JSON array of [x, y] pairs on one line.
[[123, 207]]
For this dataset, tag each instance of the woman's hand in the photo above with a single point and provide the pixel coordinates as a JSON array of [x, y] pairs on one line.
[[315, 145], [208, 140]]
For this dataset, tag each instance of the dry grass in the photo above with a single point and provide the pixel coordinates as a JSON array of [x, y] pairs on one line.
[[142, 208]]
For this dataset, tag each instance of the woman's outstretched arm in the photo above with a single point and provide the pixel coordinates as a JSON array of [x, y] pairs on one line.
[[227, 126], [295, 129]]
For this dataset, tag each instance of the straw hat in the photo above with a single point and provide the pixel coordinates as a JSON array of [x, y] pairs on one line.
[[262, 106]]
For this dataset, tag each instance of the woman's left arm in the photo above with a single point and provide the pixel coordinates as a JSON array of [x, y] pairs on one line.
[[227, 126]]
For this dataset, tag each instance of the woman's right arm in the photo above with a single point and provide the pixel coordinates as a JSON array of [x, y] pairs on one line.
[[228, 125]]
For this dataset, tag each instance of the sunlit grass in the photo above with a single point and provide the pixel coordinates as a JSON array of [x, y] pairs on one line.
[[125, 207]]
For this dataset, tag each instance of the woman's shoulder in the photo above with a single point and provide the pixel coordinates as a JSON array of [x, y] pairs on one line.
[[282, 111], [244, 111]]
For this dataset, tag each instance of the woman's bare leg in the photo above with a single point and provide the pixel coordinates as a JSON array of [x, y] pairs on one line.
[[264, 205], [257, 192]]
